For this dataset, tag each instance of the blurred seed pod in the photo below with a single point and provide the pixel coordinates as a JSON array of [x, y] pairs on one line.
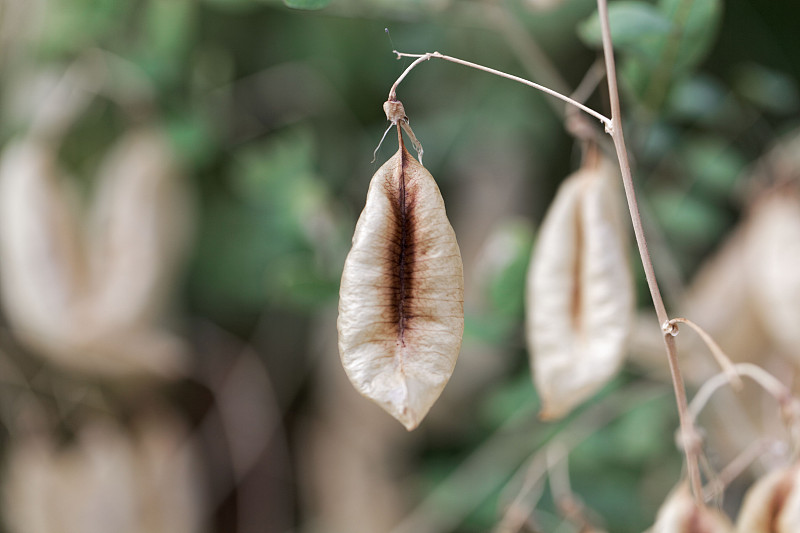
[[140, 230], [579, 296], [148, 481], [773, 253], [92, 301], [401, 310], [680, 514], [772, 505], [43, 275]]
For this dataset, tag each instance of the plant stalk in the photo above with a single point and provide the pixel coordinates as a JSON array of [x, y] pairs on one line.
[[615, 130]]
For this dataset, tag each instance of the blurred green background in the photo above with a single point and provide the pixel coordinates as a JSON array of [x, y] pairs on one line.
[[274, 111]]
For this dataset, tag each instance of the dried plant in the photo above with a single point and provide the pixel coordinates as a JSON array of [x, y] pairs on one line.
[[680, 513], [106, 480], [579, 299], [401, 312], [772, 505], [93, 299], [580, 292]]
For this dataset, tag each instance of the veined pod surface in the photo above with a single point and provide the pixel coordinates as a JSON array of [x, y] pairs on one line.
[[772, 505], [579, 295], [401, 310], [680, 514]]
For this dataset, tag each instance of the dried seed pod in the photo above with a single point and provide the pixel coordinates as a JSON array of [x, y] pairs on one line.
[[107, 479], [721, 300], [772, 505], [98, 318], [681, 514], [773, 253], [401, 311], [43, 274], [579, 295], [140, 230]]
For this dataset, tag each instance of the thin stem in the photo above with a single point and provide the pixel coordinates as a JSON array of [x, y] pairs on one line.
[[722, 358], [687, 429], [768, 382], [738, 465], [431, 55]]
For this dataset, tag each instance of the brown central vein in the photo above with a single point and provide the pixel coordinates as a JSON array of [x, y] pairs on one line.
[[403, 248]]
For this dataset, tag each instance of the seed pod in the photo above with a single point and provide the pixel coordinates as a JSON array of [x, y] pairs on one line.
[[401, 311], [773, 253], [681, 514], [721, 301], [107, 479], [140, 229], [43, 274], [772, 505], [579, 296], [97, 316]]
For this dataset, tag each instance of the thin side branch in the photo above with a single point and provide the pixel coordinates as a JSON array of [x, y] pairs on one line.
[[436, 55], [722, 358], [767, 381]]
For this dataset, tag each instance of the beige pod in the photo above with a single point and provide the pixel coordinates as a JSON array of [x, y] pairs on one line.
[[149, 480], [42, 267], [773, 256], [141, 228], [772, 505], [579, 295], [680, 514], [401, 310]]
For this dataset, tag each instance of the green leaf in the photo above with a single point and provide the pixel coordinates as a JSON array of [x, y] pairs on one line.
[[631, 23], [307, 4], [771, 90], [697, 21], [660, 44], [688, 219], [715, 164], [697, 98]]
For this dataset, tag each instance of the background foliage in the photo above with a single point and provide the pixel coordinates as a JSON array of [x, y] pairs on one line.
[[275, 110]]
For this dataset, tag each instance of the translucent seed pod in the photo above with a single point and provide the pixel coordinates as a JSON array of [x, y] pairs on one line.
[[43, 274], [773, 253], [579, 296], [401, 311], [140, 230], [680, 514], [772, 504]]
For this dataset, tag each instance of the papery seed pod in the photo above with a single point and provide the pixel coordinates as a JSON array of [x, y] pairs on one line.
[[43, 267], [773, 253], [579, 296], [680, 514], [401, 314], [107, 479], [772, 505], [98, 318], [140, 231]]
